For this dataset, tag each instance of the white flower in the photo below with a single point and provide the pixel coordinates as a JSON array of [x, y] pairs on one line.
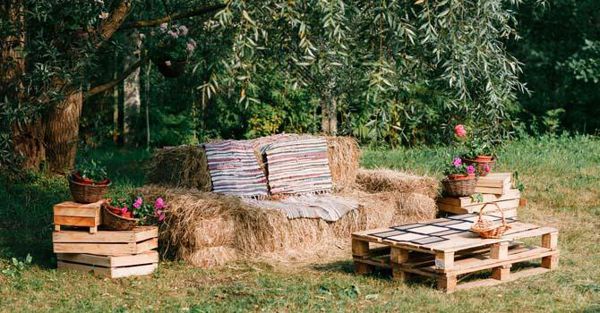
[[142, 36], [168, 63], [163, 26], [172, 34], [100, 2], [103, 15], [183, 30], [190, 47]]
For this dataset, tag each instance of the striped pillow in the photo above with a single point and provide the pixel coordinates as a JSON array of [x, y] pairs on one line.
[[298, 166], [234, 169]]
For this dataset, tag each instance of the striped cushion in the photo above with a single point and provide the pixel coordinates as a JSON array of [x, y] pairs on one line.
[[234, 169], [298, 166]]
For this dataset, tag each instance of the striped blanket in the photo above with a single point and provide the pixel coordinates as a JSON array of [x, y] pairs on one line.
[[327, 207], [298, 166], [234, 169]]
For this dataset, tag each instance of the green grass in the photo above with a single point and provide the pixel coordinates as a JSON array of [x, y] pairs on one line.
[[562, 176]]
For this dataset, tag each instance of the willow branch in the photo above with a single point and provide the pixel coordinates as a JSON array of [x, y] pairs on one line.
[[172, 17]]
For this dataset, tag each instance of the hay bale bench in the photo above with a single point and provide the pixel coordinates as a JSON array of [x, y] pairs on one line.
[[209, 229]]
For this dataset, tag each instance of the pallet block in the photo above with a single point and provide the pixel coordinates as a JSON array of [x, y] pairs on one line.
[[110, 266], [77, 214], [108, 243], [445, 249]]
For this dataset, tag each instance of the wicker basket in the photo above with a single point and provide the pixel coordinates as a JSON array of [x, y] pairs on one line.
[[83, 193], [489, 229], [114, 221], [459, 187]]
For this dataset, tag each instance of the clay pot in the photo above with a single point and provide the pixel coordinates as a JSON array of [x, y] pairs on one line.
[[483, 163], [460, 176]]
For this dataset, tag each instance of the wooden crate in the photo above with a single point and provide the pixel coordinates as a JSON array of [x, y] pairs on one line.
[[445, 250], [509, 202], [110, 266], [104, 242], [76, 214], [494, 183]]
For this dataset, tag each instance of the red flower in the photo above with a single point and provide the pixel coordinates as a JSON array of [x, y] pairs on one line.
[[460, 131]]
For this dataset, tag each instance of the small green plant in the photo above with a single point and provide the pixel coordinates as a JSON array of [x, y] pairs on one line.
[[477, 197], [92, 170], [16, 266], [518, 184]]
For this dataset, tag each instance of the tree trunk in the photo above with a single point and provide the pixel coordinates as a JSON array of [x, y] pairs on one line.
[[27, 137], [132, 90], [329, 115], [62, 133]]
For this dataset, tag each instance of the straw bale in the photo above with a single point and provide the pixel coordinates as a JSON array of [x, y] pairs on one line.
[[344, 157], [212, 256], [387, 180], [181, 166]]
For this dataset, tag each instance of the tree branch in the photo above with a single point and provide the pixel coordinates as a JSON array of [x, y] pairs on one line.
[[109, 85], [172, 17], [114, 21]]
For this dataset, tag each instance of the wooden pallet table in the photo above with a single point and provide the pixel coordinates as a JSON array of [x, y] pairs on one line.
[[70, 213], [445, 249], [108, 243], [110, 266]]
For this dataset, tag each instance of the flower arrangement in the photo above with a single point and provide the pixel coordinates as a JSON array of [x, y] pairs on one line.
[[146, 213], [172, 44], [458, 169], [478, 151]]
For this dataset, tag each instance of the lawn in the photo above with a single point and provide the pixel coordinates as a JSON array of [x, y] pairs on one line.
[[562, 178]]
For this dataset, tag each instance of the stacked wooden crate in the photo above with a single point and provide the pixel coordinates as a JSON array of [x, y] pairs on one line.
[[104, 252], [494, 188]]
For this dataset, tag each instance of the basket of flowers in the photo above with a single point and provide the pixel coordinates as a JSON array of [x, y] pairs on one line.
[[460, 180], [488, 229], [89, 182], [171, 48], [126, 213]]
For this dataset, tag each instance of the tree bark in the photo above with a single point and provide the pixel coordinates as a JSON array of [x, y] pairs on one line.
[[62, 133]]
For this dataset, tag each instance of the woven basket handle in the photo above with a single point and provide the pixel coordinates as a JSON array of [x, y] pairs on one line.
[[499, 208]]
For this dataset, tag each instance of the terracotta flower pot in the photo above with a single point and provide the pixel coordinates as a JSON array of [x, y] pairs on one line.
[[460, 176], [482, 163]]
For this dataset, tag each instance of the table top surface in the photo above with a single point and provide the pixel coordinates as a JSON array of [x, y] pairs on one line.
[[448, 234]]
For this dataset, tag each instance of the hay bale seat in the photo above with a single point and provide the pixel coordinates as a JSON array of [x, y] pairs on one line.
[[208, 229]]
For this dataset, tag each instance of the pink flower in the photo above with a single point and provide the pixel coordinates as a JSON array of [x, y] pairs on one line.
[[470, 169], [168, 63], [163, 26], [159, 204], [138, 203], [190, 47], [124, 210], [457, 162], [486, 168], [183, 30], [173, 34], [460, 131], [160, 214]]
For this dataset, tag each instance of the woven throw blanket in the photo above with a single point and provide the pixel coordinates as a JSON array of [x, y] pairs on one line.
[[298, 166], [327, 207], [234, 169]]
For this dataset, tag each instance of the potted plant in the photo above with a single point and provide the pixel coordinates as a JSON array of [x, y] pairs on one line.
[[126, 213], [479, 151], [460, 180], [171, 48], [89, 182]]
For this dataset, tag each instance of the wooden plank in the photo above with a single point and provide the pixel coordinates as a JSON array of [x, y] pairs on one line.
[[491, 281], [476, 264], [116, 272], [107, 236], [378, 263], [504, 204], [466, 201], [81, 212], [498, 180], [146, 245], [71, 204], [110, 261], [75, 221], [493, 190], [96, 248]]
